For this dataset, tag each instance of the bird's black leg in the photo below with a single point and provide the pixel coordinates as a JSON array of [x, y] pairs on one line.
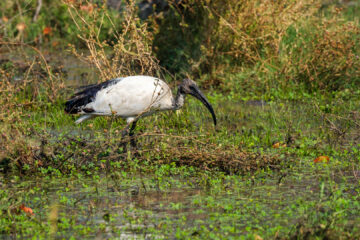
[[124, 134], [131, 134]]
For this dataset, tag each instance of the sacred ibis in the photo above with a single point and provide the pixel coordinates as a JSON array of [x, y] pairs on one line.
[[131, 98]]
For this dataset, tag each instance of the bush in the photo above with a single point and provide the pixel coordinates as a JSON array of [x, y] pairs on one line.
[[301, 42], [322, 54], [210, 33], [253, 43]]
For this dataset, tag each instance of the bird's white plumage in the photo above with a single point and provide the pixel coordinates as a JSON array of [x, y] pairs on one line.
[[130, 97]]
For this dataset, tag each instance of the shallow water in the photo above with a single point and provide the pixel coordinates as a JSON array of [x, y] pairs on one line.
[[138, 207], [132, 206], [74, 72]]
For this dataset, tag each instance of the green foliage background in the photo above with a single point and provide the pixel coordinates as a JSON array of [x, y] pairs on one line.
[[227, 44]]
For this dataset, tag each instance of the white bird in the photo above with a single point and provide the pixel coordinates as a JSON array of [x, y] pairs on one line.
[[131, 98]]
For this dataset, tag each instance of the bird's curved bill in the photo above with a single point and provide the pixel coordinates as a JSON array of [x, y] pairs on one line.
[[195, 91]]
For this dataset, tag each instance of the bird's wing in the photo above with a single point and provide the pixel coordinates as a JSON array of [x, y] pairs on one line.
[[132, 96], [81, 99]]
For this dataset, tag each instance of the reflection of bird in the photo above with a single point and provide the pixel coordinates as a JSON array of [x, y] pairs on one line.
[[130, 98]]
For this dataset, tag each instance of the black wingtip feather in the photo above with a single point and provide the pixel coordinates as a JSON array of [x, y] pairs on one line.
[[80, 99]]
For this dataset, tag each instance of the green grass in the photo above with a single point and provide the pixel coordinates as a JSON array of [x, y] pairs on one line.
[[95, 190], [187, 179]]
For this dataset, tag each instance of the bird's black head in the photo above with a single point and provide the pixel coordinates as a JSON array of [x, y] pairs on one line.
[[188, 86]]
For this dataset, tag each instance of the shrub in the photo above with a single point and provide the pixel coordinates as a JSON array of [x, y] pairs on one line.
[[206, 34], [284, 42], [129, 52], [322, 54]]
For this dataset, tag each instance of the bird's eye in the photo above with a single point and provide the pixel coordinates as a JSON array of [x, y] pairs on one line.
[[192, 87]]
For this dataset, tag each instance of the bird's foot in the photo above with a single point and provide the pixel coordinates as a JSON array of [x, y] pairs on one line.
[[133, 142]]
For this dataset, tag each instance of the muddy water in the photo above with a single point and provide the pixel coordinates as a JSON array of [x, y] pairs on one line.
[[74, 72], [124, 208], [137, 207]]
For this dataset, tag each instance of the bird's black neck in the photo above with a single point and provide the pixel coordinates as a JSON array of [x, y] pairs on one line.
[[179, 99]]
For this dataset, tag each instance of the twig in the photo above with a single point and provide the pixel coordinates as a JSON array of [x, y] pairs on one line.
[[174, 136], [38, 8], [36, 50]]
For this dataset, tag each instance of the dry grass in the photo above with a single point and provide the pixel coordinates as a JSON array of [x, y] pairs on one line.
[[326, 57], [153, 149], [129, 54], [282, 42], [224, 158], [240, 32], [24, 85], [250, 31]]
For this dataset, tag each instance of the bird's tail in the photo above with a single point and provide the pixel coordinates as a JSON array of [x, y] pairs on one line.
[[71, 106], [86, 95], [78, 102]]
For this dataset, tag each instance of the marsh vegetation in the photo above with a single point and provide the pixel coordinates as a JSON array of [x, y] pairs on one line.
[[283, 162]]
